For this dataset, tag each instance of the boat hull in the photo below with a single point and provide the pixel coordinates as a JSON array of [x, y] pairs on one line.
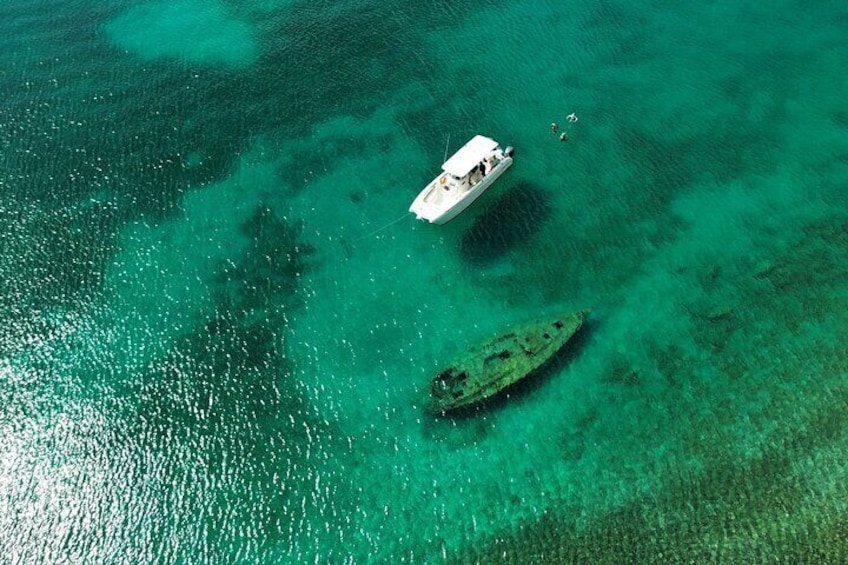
[[439, 203], [494, 365], [472, 195]]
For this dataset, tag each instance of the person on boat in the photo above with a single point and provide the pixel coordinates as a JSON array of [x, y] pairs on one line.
[[554, 127], [572, 118]]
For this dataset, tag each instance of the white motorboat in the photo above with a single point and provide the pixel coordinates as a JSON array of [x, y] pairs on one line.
[[465, 176]]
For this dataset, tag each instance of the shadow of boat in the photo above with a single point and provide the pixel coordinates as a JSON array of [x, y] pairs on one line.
[[511, 219]]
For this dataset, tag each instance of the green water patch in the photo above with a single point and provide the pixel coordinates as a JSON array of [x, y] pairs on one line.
[[213, 430], [757, 510], [758, 420], [267, 278], [190, 31], [345, 140], [126, 138], [224, 407], [798, 292], [243, 443], [49, 257]]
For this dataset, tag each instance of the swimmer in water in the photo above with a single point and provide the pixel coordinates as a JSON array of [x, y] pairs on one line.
[[554, 127], [564, 136], [572, 118]]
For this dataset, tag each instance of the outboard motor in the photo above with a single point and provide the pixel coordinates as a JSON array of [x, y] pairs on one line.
[[509, 151]]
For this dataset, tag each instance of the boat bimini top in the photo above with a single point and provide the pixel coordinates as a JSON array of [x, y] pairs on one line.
[[469, 156]]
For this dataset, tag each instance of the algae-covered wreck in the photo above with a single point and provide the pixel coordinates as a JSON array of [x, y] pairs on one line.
[[497, 363]]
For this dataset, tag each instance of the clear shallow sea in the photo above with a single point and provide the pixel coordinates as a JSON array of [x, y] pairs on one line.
[[217, 323]]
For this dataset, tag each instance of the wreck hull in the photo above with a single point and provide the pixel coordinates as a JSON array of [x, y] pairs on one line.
[[494, 365]]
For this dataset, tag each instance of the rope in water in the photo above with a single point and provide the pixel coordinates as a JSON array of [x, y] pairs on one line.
[[378, 230]]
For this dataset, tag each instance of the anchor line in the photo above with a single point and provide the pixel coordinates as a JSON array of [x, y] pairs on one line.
[[378, 230]]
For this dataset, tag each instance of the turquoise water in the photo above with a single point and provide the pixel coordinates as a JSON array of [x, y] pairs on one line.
[[218, 321]]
